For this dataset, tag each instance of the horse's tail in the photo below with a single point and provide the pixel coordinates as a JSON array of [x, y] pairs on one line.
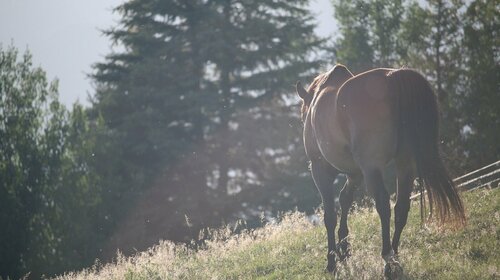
[[419, 126]]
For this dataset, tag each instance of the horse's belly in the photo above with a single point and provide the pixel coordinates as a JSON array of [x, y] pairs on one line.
[[342, 160], [335, 149], [332, 141]]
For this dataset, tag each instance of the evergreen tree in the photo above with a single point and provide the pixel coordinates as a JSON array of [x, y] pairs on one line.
[[258, 48], [433, 36], [196, 105], [481, 104], [353, 47], [369, 33], [149, 99]]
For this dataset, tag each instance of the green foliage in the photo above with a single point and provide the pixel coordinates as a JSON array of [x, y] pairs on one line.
[[481, 100], [47, 193], [295, 248], [435, 49], [31, 124], [353, 48], [369, 33]]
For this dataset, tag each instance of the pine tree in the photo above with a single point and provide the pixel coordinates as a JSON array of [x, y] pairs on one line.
[[369, 33], [196, 105], [259, 48], [353, 48], [481, 103], [149, 99], [433, 36]]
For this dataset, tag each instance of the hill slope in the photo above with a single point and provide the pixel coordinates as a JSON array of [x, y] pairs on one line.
[[295, 249]]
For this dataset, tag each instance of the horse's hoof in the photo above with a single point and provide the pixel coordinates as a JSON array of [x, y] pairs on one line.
[[331, 268], [344, 250], [344, 255], [393, 271]]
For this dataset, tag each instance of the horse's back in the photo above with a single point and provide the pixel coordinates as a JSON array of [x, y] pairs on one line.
[[369, 107], [366, 88]]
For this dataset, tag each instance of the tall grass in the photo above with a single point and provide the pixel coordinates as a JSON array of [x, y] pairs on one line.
[[294, 248]]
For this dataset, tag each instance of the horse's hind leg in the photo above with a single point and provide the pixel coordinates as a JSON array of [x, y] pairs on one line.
[[375, 185], [346, 198], [405, 181], [324, 175]]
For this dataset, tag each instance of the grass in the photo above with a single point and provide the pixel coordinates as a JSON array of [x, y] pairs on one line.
[[295, 249]]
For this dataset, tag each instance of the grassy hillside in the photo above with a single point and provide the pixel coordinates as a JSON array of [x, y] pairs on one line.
[[295, 249]]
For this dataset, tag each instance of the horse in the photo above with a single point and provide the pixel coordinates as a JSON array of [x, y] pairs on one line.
[[357, 125]]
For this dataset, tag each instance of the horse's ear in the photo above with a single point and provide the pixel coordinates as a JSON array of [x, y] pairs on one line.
[[300, 90]]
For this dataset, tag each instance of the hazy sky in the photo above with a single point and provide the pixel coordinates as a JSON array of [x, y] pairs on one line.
[[65, 39]]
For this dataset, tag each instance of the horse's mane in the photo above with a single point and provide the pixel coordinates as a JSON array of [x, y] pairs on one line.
[[319, 81], [311, 91]]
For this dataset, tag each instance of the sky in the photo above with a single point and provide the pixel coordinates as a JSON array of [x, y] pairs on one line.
[[65, 39]]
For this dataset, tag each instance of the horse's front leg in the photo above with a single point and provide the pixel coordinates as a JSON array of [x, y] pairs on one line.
[[324, 175], [346, 199]]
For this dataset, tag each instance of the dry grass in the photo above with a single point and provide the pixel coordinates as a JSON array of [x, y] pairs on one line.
[[295, 249]]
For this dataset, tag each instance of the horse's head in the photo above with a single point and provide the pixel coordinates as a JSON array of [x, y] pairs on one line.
[[333, 78]]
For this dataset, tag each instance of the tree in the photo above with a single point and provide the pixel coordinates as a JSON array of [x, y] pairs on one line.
[[434, 46], [46, 189], [30, 120], [369, 33], [181, 105], [151, 102], [259, 49], [353, 47], [480, 104]]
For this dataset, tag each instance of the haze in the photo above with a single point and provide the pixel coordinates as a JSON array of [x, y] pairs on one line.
[[65, 38]]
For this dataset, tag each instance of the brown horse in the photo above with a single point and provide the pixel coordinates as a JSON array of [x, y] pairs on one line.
[[356, 125]]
